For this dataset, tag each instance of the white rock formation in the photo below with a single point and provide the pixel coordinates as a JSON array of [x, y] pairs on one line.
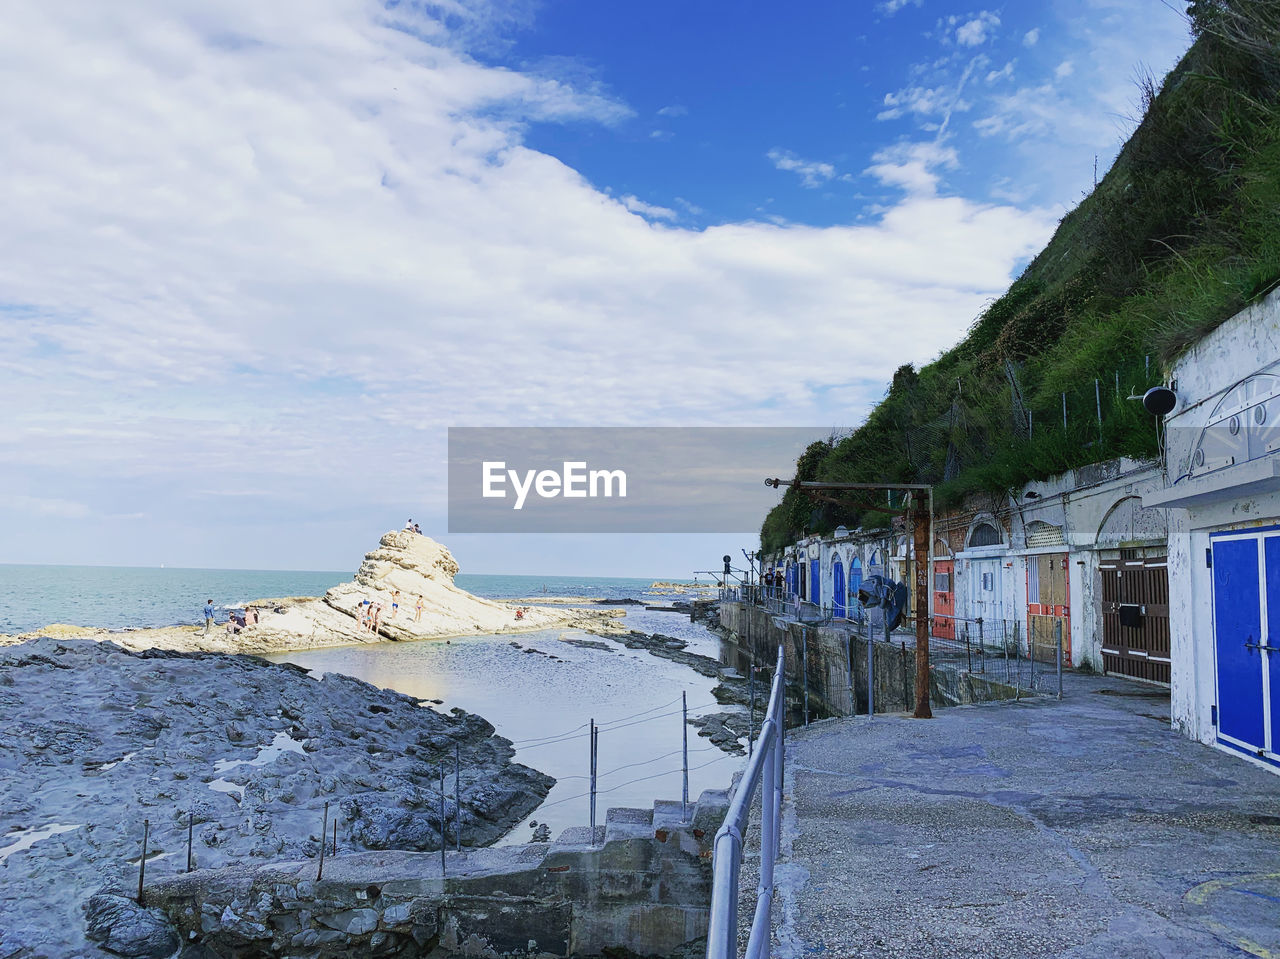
[[414, 564], [417, 566]]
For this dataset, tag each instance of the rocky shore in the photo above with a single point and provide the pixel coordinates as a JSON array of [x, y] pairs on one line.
[[410, 563], [242, 752]]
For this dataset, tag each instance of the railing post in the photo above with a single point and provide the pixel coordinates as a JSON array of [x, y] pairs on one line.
[[684, 795], [871, 668], [1058, 651], [804, 669], [768, 820], [142, 861], [848, 657], [444, 844], [592, 743]]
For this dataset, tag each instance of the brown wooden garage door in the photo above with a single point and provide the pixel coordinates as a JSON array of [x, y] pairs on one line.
[[1135, 615]]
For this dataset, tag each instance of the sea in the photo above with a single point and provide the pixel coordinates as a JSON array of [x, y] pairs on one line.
[[119, 597], [542, 690]]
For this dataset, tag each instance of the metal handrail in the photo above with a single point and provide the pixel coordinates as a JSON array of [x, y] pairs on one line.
[[766, 763]]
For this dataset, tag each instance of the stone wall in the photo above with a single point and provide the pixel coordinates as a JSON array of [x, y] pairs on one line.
[[828, 652], [643, 889]]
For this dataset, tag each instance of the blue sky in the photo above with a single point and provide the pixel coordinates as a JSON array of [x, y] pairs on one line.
[[258, 258]]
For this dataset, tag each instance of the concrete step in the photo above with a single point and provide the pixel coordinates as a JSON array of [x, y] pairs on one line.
[[625, 823]]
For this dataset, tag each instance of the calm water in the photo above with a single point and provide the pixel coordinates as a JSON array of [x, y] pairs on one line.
[[116, 597], [544, 705]]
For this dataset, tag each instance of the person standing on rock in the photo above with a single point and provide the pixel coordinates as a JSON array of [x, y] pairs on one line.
[[419, 607], [208, 616], [395, 603]]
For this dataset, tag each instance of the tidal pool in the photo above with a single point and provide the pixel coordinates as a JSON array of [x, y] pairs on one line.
[[544, 705]]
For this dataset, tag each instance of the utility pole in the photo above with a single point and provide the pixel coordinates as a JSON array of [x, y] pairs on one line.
[[921, 532]]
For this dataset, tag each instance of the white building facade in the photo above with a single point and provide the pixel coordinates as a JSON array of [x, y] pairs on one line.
[[1222, 497]]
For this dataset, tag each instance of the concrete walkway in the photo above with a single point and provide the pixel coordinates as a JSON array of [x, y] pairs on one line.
[[1082, 828]]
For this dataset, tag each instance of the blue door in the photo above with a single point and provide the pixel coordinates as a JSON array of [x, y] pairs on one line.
[[1271, 654], [837, 589], [815, 582], [1246, 588], [855, 580]]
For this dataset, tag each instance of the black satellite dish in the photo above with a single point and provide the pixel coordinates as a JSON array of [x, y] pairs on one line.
[[1159, 400], [883, 593]]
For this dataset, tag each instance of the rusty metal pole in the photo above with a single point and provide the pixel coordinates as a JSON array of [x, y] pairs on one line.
[[324, 832], [921, 532], [142, 861]]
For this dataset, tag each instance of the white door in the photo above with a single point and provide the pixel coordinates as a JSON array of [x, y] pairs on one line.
[[986, 595]]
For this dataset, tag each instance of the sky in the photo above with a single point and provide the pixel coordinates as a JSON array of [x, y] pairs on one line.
[[257, 258]]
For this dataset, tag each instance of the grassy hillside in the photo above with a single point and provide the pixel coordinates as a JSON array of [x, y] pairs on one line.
[[1183, 232]]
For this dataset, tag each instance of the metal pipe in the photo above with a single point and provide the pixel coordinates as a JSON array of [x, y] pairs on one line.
[[804, 669], [684, 733], [848, 658], [764, 770], [324, 831], [871, 668], [591, 763], [142, 863], [191, 828], [457, 795]]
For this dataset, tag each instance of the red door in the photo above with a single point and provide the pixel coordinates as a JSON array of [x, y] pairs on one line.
[[1048, 607], [944, 599]]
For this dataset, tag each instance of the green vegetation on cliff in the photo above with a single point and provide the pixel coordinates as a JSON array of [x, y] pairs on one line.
[[1182, 232]]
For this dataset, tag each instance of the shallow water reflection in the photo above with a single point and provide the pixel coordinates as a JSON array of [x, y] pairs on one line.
[[543, 700]]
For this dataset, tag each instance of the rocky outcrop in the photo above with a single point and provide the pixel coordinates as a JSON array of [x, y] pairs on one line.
[[413, 564], [242, 752]]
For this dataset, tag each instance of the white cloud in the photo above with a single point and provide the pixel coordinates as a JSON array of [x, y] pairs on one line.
[[812, 173], [280, 247], [675, 110], [636, 205], [1064, 70], [1031, 37], [890, 7], [912, 166], [976, 31], [1004, 73]]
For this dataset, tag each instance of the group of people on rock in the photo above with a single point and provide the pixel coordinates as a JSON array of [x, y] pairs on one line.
[[413, 527], [242, 620], [238, 620], [520, 611], [369, 611]]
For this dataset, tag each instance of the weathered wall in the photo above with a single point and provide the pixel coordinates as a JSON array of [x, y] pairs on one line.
[[643, 890], [837, 666]]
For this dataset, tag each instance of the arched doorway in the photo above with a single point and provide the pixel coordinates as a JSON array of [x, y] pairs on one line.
[[815, 582], [837, 588], [855, 580]]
